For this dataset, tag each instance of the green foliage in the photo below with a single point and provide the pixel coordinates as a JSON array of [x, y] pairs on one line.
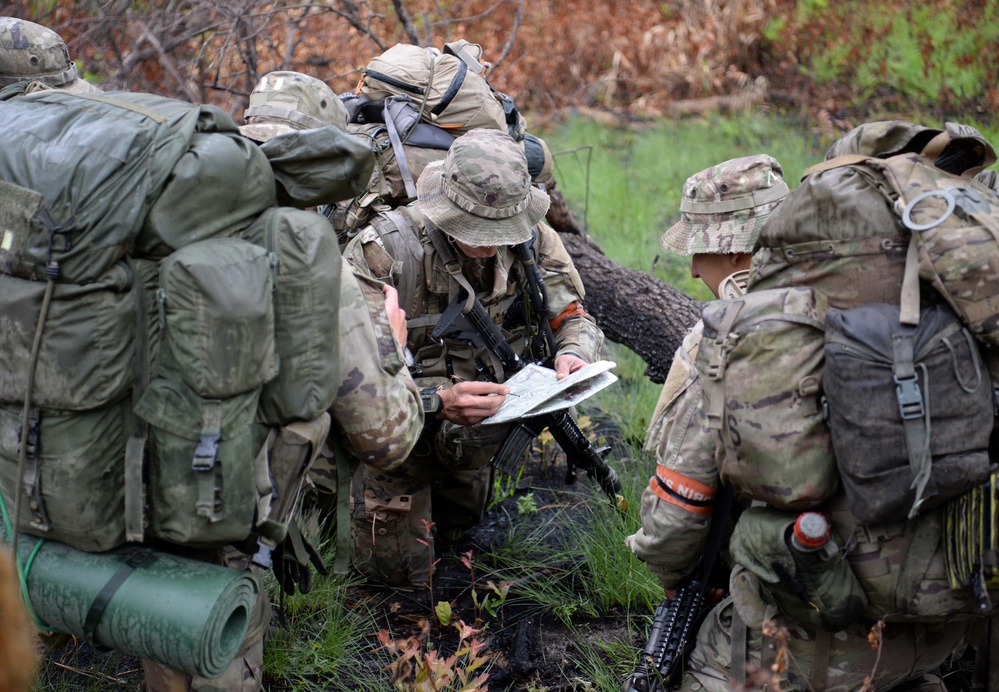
[[625, 184], [927, 52], [526, 504]]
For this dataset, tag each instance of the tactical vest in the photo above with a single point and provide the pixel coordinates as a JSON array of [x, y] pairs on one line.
[[428, 282]]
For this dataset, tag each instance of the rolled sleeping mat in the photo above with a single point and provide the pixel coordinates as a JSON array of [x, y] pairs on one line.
[[183, 613]]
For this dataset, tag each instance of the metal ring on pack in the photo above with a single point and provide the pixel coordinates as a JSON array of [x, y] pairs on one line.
[[907, 214]]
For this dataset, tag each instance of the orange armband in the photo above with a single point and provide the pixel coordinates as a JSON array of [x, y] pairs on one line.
[[573, 309], [686, 493]]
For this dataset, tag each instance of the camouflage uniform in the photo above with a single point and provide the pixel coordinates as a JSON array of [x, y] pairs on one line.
[[30, 52], [677, 504], [676, 513], [448, 470], [376, 414]]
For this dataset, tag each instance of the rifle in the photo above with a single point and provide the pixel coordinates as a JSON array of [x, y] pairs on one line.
[[676, 619], [473, 323]]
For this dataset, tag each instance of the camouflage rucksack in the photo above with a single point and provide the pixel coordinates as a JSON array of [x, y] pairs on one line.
[[760, 363], [449, 87]]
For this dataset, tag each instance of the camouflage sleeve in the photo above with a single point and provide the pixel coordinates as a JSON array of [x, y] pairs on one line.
[[576, 332], [677, 504], [367, 256], [377, 408]]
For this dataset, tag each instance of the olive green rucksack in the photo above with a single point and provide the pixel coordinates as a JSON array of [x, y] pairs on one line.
[[306, 258]]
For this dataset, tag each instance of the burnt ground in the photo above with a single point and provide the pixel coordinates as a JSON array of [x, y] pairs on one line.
[[529, 648]]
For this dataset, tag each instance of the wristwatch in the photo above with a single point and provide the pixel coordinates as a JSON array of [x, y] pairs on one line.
[[432, 402]]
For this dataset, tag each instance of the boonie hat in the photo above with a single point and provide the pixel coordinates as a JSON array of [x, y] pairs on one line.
[[31, 52], [481, 193], [287, 101], [724, 207]]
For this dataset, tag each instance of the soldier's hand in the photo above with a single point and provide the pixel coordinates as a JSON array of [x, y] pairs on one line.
[[467, 403], [564, 365], [396, 315]]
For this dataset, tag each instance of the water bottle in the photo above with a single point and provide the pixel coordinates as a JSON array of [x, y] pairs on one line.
[[811, 535]]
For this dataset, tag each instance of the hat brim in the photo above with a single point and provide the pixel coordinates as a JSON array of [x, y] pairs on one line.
[[717, 234], [471, 229], [263, 132]]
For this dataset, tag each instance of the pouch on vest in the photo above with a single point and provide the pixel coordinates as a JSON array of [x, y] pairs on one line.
[[760, 363], [98, 161], [217, 316], [306, 313], [201, 488], [910, 409], [817, 588], [955, 223], [79, 457]]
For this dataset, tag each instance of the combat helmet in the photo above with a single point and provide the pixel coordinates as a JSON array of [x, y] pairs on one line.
[[725, 206], [481, 193], [31, 52], [288, 101]]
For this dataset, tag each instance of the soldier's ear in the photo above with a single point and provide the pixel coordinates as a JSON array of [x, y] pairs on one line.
[[740, 260]]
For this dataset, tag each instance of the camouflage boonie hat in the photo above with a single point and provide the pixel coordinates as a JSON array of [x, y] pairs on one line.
[[31, 52], [966, 148], [481, 193], [288, 101], [724, 207]]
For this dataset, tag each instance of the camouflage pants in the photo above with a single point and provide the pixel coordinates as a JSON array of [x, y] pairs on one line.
[[444, 484], [245, 673], [908, 651]]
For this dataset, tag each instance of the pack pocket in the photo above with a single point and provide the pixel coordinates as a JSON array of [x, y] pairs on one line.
[[201, 489], [817, 588], [760, 362], [921, 434], [80, 462], [217, 314]]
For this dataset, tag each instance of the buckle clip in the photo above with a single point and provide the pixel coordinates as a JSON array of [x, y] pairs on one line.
[[910, 397], [206, 452]]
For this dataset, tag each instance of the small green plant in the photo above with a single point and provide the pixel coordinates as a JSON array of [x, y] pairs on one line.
[[443, 612], [526, 504], [504, 487], [418, 667]]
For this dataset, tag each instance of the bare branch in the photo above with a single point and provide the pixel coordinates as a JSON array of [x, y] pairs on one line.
[[513, 35], [407, 22]]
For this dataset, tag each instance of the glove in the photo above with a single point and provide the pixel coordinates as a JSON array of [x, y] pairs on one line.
[[292, 560]]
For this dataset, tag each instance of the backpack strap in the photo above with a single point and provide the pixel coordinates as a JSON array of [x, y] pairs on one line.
[[205, 462], [400, 152], [451, 262], [135, 446], [915, 414]]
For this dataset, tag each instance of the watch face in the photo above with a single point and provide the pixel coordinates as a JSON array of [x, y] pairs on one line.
[[431, 402]]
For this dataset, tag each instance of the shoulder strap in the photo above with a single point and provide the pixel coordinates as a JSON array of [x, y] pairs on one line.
[[400, 236], [451, 262]]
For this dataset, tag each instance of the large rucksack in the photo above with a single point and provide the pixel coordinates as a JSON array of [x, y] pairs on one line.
[[133, 378], [847, 232]]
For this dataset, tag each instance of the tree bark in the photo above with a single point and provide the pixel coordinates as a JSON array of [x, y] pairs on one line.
[[632, 308]]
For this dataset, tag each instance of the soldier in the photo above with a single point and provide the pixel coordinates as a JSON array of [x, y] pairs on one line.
[[31, 52], [720, 245], [377, 416], [455, 241], [675, 525]]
